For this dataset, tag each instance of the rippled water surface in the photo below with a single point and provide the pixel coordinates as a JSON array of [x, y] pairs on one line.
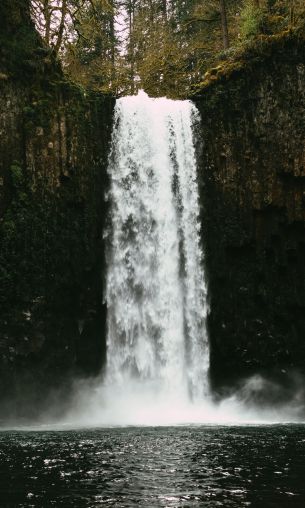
[[154, 467]]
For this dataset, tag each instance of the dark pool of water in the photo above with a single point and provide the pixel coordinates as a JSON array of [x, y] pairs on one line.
[[154, 467]]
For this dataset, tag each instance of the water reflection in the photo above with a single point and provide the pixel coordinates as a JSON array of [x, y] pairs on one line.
[[154, 467]]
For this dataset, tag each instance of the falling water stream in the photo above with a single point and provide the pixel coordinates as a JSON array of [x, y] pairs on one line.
[[156, 290]]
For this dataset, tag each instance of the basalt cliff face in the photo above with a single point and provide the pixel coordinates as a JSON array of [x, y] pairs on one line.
[[53, 156], [252, 179]]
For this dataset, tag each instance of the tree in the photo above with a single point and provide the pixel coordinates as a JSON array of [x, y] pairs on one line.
[[90, 57], [291, 13], [130, 7], [52, 18], [224, 24], [163, 46]]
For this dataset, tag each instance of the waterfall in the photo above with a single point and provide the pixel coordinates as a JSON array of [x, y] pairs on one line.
[[156, 291], [157, 345]]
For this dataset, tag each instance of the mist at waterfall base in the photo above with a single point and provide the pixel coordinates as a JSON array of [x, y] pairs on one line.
[[157, 344]]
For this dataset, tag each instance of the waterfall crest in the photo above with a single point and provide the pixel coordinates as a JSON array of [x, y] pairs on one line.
[[156, 291]]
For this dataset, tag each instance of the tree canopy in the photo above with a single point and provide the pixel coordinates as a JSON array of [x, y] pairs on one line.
[[163, 46]]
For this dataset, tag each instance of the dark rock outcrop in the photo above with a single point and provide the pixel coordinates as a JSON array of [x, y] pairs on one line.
[[53, 156], [253, 214]]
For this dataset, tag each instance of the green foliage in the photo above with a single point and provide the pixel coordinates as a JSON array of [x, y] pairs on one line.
[[163, 46], [252, 20], [266, 20], [16, 175]]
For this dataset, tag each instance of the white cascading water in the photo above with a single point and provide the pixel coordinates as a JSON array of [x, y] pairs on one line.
[[156, 291]]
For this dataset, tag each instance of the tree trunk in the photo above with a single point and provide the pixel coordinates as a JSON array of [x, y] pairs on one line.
[[164, 9], [224, 24], [131, 45], [291, 14], [112, 41], [47, 17], [61, 28]]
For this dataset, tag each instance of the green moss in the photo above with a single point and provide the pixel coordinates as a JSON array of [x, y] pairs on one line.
[[16, 174], [247, 55]]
